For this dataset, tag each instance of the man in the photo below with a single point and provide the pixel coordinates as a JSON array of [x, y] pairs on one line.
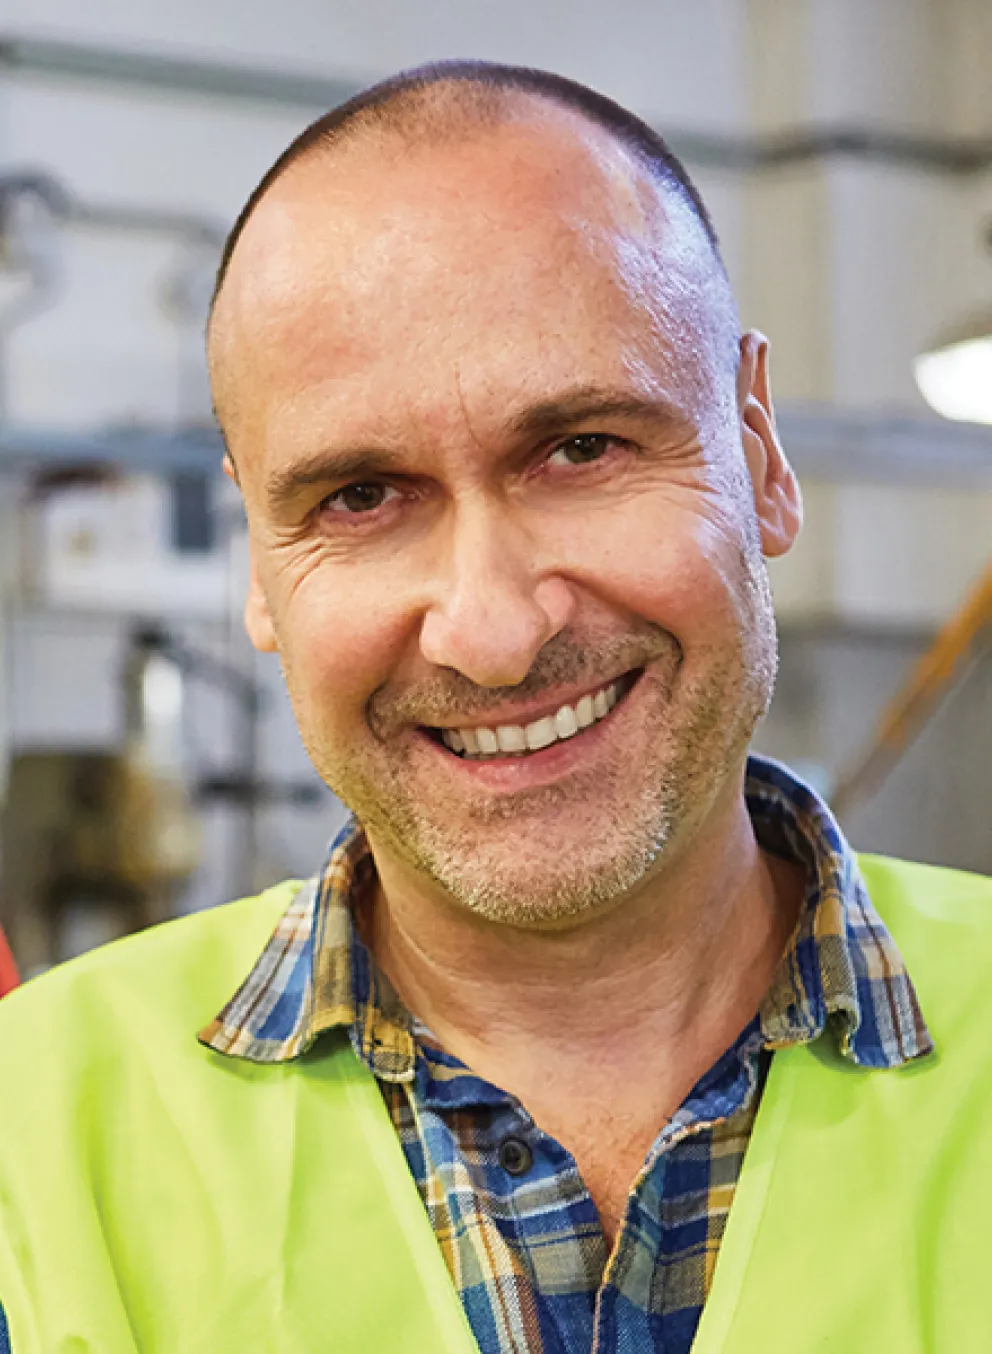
[[587, 1035]]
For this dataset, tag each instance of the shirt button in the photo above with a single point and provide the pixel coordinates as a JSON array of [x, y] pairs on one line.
[[515, 1156]]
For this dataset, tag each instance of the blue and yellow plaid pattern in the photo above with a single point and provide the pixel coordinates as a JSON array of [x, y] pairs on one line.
[[525, 1249]]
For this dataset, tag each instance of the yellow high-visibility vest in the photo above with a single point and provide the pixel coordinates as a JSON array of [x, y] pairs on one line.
[[159, 1198]]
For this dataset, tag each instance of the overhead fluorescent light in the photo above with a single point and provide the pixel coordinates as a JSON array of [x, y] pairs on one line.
[[955, 374]]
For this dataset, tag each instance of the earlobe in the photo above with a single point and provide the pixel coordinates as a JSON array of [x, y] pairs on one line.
[[258, 620], [777, 496]]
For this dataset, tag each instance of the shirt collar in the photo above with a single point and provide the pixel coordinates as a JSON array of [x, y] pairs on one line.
[[842, 970], [316, 975]]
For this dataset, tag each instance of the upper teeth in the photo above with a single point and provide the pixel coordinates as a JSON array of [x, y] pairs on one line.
[[503, 738]]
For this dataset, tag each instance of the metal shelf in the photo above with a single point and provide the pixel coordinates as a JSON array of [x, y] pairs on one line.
[[149, 450]]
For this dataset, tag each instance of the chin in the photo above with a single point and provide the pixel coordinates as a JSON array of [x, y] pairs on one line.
[[536, 891]]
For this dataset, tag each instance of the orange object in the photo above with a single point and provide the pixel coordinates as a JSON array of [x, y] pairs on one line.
[[911, 707], [9, 977]]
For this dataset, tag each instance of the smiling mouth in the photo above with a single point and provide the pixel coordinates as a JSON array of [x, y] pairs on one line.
[[486, 742]]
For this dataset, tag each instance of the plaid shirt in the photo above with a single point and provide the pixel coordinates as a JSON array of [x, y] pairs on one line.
[[517, 1227]]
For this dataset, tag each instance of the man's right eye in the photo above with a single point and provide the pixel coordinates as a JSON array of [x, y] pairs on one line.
[[358, 498]]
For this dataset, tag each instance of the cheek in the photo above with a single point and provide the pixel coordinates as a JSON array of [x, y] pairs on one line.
[[339, 643], [673, 566]]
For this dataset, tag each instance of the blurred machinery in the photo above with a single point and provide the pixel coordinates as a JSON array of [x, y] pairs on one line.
[[98, 844]]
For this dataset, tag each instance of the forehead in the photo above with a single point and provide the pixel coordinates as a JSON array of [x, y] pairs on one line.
[[529, 243]]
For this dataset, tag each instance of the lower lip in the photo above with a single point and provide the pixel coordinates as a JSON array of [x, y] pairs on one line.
[[537, 768]]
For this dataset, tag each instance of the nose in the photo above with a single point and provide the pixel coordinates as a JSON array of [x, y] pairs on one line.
[[496, 605]]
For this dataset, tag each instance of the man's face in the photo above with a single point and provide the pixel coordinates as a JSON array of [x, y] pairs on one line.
[[489, 436]]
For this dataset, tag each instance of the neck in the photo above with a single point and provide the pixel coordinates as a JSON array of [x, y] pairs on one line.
[[662, 982]]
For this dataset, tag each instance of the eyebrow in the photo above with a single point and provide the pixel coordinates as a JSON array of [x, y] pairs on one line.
[[586, 403], [542, 419], [327, 467]]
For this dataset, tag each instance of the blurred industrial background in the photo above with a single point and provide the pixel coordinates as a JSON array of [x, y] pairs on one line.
[[148, 760]]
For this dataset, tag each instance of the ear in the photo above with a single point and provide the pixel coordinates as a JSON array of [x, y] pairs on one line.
[[258, 620], [777, 497]]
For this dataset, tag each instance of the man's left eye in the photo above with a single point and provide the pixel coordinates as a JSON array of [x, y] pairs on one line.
[[581, 450]]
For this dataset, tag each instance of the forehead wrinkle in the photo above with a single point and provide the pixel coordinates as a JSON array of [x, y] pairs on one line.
[[540, 415]]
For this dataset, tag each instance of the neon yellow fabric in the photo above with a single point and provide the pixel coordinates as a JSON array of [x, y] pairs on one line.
[[157, 1198], [862, 1216]]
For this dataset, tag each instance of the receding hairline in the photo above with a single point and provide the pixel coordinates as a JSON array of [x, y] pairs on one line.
[[449, 100]]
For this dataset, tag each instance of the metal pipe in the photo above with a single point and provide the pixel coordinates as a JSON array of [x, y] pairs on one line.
[[189, 227], [186, 226], [176, 74], [30, 248], [30, 204], [313, 93]]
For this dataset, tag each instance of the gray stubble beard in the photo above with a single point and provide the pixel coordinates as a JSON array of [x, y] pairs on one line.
[[485, 872], [632, 839]]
